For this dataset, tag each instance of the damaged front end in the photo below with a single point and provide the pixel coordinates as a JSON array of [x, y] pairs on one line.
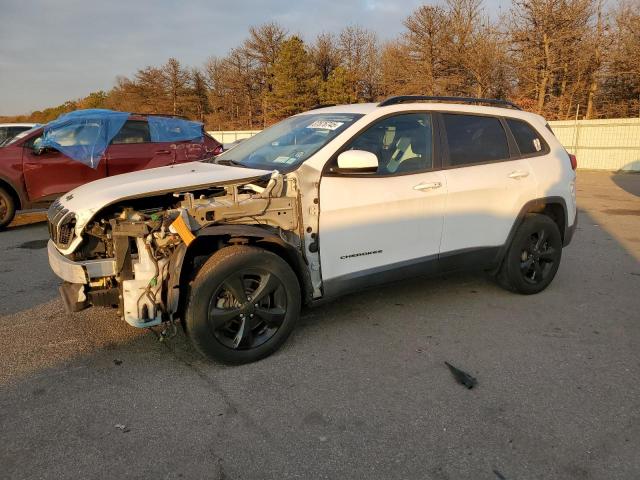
[[131, 254]]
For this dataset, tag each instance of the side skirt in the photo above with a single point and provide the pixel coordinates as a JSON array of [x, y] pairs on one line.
[[469, 259]]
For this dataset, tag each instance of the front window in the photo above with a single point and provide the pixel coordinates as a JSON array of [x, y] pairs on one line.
[[287, 144], [402, 143], [78, 133]]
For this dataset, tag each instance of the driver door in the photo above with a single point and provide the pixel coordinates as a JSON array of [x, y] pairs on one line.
[[382, 226], [49, 174]]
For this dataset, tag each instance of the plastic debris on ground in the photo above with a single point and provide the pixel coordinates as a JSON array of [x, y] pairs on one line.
[[463, 378]]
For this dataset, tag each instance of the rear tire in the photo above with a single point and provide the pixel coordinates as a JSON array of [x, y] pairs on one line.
[[7, 208], [243, 304], [533, 258]]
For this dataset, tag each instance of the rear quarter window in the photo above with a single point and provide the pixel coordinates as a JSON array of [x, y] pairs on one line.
[[528, 139]]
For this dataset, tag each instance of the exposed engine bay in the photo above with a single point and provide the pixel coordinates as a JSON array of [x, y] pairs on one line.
[[146, 239]]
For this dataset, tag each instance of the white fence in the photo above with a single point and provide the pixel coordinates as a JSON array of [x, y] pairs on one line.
[[229, 136], [612, 144]]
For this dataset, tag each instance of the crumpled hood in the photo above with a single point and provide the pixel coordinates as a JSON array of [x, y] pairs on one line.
[[86, 200]]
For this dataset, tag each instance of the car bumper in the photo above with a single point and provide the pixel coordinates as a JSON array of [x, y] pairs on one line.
[[79, 272], [570, 231]]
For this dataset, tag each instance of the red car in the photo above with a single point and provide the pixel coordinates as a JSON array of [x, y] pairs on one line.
[[32, 176]]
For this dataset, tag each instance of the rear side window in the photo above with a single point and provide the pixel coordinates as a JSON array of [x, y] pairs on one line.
[[475, 139], [528, 140], [133, 131]]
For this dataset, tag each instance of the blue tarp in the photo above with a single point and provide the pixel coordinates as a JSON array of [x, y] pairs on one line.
[[84, 135], [167, 129]]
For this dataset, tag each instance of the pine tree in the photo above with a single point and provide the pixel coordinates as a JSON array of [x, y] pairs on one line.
[[294, 83], [336, 89]]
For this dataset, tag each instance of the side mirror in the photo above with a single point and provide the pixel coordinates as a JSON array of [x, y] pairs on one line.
[[357, 161]]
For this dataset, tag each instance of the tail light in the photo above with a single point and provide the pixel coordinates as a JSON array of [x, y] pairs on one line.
[[574, 161]]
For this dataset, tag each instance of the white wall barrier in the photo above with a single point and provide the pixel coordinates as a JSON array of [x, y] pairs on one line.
[[229, 136], [612, 144]]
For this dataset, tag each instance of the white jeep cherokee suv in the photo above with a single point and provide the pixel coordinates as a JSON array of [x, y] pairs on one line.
[[323, 203]]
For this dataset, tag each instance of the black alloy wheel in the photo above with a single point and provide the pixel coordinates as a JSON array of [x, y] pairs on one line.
[[533, 257], [248, 309], [243, 304], [537, 257]]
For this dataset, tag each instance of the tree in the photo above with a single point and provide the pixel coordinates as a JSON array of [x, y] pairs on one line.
[[547, 55], [335, 90], [294, 84], [325, 55], [147, 93], [176, 81], [358, 49], [199, 94], [548, 38], [263, 47], [396, 70], [621, 85], [426, 40], [94, 100]]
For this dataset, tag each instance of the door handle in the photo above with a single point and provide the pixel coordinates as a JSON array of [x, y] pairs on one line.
[[428, 186], [518, 174], [163, 152]]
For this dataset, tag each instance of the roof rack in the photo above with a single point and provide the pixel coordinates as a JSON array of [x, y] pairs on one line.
[[323, 105], [413, 98], [170, 115]]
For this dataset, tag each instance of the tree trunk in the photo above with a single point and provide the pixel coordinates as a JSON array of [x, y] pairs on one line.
[[544, 80]]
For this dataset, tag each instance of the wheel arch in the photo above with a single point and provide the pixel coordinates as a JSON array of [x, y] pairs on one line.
[[17, 198], [211, 239], [553, 207]]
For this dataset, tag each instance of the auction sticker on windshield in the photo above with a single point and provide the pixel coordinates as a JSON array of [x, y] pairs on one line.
[[325, 125]]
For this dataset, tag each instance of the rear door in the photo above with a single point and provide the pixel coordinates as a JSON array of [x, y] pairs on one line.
[[49, 173], [132, 149], [194, 150], [487, 183]]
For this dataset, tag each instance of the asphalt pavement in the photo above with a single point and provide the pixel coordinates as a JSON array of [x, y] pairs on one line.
[[359, 391]]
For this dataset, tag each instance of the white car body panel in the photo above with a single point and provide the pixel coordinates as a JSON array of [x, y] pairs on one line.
[[483, 203], [366, 223]]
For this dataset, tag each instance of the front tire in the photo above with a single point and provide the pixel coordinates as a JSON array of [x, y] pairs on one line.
[[243, 305], [7, 208], [533, 258]]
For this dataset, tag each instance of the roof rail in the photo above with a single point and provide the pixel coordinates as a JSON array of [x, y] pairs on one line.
[[414, 98], [323, 105], [170, 115]]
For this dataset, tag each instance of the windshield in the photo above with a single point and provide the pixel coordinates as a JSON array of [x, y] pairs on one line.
[[287, 144], [20, 135]]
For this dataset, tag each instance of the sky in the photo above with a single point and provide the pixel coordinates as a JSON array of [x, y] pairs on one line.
[[57, 50]]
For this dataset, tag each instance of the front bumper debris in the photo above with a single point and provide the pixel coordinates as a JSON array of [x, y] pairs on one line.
[[79, 272], [73, 297]]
